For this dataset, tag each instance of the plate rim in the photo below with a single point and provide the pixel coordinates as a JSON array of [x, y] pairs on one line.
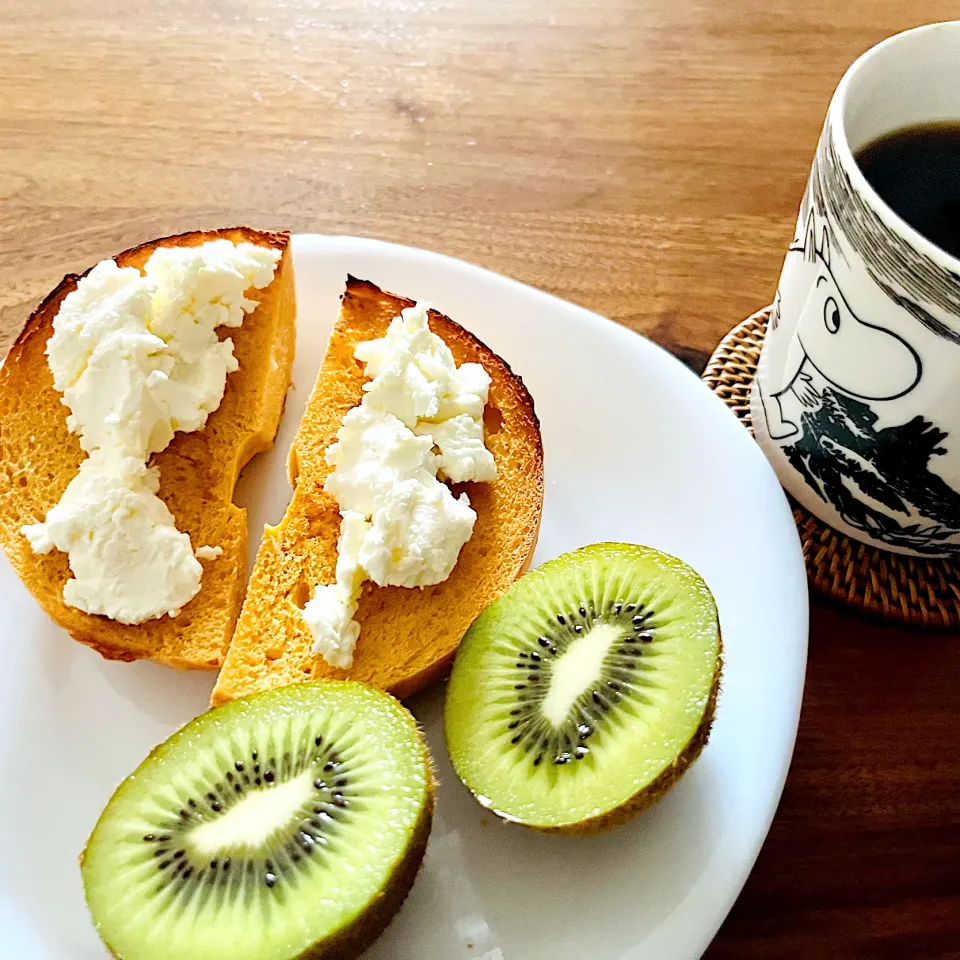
[[322, 242], [713, 911]]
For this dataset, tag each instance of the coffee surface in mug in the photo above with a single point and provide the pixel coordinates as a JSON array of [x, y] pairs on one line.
[[916, 172]]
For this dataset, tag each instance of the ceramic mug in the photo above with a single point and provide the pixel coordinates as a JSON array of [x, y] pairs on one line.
[[856, 401]]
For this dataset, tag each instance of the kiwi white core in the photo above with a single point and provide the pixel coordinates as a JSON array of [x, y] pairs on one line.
[[577, 669], [253, 821]]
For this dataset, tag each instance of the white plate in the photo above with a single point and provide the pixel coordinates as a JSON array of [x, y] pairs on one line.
[[637, 449]]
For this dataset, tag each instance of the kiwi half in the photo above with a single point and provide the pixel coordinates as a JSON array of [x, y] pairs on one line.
[[289, 824], [580, 696]]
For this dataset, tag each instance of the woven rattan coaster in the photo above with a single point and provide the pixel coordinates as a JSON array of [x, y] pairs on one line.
[[887, 584]]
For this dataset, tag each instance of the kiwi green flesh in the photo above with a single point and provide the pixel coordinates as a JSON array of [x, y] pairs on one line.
[[585, 691], [289, 824]]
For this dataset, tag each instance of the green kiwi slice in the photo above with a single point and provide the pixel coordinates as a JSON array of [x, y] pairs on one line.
[[581, 695], [287, 824]]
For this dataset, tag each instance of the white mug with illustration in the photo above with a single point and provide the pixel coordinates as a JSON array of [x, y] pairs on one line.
[[856, 401]]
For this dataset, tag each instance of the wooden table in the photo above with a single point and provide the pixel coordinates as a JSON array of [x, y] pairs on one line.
[[644, 158]]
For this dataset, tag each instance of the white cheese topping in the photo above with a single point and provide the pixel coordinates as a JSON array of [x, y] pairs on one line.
[[330, 613], [137, 358], [463, 455], [420, 416], [208, 553]]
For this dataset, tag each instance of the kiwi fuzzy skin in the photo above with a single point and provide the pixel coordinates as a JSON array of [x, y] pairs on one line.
[[654, 791]]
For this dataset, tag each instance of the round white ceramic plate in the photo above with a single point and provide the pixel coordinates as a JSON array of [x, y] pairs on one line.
[[637, 449]]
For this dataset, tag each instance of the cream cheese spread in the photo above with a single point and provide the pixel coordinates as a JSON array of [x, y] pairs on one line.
[[137, 358], [420, 421]]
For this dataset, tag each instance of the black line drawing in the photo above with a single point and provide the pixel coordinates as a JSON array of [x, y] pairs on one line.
[[879, 481], [828, 333], [908, 276]]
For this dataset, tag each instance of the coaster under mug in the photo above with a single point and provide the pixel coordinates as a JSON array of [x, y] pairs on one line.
[[894, 586]]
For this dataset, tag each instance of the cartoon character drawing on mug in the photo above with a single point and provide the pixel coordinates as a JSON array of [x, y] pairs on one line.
[[854, 399], [816, 398], [829, 334]]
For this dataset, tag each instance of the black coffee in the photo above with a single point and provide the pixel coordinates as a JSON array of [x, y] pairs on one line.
[[916, 171]]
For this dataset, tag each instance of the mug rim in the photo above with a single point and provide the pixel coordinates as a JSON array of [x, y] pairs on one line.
[[838, 106]]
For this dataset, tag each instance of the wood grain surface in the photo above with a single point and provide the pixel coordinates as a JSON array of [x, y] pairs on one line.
[[644, 158]]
